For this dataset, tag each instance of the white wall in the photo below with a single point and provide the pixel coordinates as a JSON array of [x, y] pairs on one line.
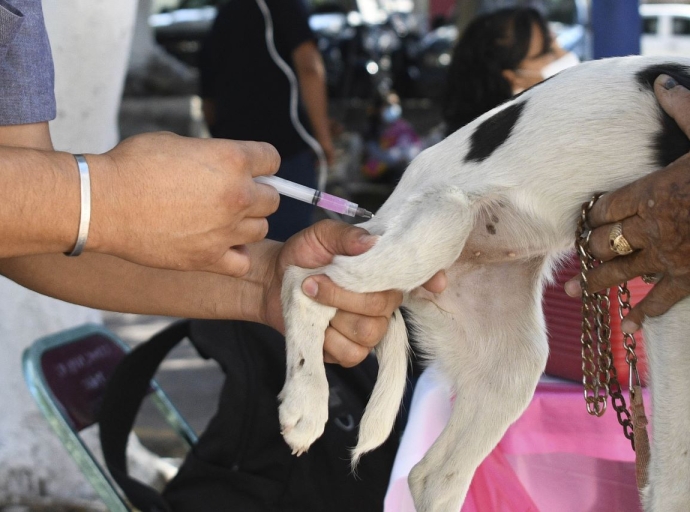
[[91, 42]]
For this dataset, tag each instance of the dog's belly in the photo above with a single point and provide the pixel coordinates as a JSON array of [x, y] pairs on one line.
[[502, 234], [480, 304]]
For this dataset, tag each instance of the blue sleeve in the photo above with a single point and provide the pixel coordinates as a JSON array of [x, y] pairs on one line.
[[27, 80], [11, 20]]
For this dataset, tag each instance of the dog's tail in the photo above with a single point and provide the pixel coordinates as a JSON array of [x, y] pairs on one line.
[[382, 409]]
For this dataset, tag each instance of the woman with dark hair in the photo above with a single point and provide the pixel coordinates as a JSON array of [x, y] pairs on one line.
[[499, 55]]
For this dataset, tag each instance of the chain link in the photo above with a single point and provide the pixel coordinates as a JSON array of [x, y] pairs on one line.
[[599, 374]]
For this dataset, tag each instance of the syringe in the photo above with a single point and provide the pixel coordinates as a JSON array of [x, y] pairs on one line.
[[315, 197]]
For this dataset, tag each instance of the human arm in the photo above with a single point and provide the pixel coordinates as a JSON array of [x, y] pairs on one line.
[[157, 199], [311, 76], [362, 318], [106, 282], [39, 210], [655, 215], [34, 135]]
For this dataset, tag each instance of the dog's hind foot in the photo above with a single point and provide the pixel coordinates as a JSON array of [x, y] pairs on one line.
[[436, 491], [304, 410]]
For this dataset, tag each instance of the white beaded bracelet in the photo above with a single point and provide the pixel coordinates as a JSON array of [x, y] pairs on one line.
[[85, 217]]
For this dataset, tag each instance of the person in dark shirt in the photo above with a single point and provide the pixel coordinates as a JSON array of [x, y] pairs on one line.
[[246, 96]]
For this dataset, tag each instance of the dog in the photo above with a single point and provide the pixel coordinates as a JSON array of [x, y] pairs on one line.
[[496, 204]]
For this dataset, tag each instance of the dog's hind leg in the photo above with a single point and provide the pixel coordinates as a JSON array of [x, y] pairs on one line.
[[491, 345], [427, 236], [668, 349], [304, 398]]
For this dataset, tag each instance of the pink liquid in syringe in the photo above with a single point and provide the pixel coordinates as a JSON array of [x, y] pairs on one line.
[[335, 204]]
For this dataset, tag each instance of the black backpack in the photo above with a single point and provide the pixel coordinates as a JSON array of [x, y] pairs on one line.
[[241, 462]]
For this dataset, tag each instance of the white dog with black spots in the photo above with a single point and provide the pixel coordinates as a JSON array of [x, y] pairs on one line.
[[496, 204]]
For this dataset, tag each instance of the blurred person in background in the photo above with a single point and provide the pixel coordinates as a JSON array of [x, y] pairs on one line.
[[499, 55], [391, 142], [246, 95]]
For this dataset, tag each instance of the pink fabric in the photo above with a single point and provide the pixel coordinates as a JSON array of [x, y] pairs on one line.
[[556, 457]]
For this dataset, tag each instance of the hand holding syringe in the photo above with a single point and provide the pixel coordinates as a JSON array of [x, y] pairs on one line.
[[315, 197]]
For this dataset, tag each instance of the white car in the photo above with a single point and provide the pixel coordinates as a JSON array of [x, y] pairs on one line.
[[665, 29]]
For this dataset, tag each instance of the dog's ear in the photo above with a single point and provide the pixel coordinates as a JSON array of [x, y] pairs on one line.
[[670, 143], [493, 132]]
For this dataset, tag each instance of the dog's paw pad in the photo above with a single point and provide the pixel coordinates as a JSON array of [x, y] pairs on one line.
[[303, 418], [301, 432]]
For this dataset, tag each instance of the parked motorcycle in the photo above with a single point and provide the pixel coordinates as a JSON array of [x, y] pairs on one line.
[[367, 57]]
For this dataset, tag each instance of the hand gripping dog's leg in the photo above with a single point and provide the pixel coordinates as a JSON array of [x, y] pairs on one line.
[[428, 235]]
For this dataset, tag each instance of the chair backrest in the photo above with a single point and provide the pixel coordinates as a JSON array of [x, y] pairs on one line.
[[67, 373], [76, 371]]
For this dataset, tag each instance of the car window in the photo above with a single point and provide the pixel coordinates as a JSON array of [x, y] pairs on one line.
[[681, 26], [650, 24]]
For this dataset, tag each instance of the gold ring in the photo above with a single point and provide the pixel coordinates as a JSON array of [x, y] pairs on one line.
[[617, 241]]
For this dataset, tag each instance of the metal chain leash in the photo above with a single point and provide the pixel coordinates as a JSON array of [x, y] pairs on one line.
[[599, 374]]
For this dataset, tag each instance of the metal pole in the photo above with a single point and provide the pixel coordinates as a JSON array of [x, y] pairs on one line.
[[616, 28]]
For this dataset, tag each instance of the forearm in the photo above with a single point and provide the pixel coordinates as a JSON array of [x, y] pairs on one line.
[[39, 208], [312, 82], [36, 135], [314, 96], [109, 283]]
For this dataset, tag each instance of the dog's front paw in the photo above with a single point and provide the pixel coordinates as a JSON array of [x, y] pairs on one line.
[[436, 489], [304, 410]]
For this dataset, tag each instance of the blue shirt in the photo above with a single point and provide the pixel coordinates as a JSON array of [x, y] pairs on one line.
[[27, 80]]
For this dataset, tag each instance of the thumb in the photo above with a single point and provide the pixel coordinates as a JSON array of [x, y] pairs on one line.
[[675, 100], [338, 238]]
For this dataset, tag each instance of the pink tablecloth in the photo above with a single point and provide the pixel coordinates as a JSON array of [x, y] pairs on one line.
[[556, 457]]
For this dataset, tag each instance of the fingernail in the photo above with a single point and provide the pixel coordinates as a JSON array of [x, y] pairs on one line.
[[628, 326], [367, 239], [669, 83], [310, 287], [572, 288]]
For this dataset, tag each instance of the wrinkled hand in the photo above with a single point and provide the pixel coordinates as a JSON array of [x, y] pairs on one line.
[[361, 319], [655, 214], [167, 201]]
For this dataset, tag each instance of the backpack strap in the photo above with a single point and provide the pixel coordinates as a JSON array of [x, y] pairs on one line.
[[123, 396]]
